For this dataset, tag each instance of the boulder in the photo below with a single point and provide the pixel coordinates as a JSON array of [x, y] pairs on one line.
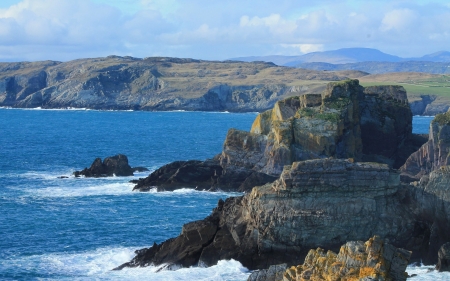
[[115, 165], [356, 260], [444, 258]]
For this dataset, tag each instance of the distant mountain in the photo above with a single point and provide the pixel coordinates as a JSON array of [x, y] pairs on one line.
[[345, 56], [441, 56], [382, 67]]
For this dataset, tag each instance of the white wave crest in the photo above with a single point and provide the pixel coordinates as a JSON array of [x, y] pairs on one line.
[[74, 190], [98, 265], [426, 273]]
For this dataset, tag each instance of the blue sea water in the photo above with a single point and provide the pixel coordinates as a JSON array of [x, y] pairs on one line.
[[78, 228]]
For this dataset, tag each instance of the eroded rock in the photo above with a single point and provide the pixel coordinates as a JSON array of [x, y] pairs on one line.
[[356, 260]]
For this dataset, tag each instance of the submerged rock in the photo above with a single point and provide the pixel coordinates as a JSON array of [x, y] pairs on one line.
[[356, 260], [115, 165]]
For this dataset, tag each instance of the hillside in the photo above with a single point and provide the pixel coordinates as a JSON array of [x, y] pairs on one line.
[[156, 84]]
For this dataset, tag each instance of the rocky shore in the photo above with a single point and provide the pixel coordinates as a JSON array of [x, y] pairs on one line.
[[347, 167], [164, 83]]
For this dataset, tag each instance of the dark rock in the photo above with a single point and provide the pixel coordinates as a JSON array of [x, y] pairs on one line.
[[444, 258], [115, 165], [202, 175]]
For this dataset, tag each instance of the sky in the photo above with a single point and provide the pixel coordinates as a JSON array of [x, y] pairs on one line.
[[63, 30]]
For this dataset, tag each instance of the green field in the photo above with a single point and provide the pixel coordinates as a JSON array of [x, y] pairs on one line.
[[439, 86]]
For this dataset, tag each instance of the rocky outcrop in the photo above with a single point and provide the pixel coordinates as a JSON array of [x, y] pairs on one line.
[[112, 166], [433, 154], [344, 121], [324, 195], [157, 83], [356, 260], [322, 202], [444, 258]]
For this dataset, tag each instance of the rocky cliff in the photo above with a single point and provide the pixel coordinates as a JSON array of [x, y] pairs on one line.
[[325, 194], [433, 154], [155, 84], [343, 121], [315, 203]]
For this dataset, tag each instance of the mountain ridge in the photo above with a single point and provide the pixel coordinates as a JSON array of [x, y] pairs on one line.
[[345, 55]]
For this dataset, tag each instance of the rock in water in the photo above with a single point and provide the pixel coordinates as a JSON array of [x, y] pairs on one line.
[[372, 260], [114, 165], [444, 258]]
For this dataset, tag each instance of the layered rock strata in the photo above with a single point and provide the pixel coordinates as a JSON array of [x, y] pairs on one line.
[[344, 121], [111, 166], [322, 202], [433, 154], [356, 260]]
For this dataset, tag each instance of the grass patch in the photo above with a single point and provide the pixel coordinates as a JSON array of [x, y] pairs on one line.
[[439, 87], [309, 112], [442, 119]]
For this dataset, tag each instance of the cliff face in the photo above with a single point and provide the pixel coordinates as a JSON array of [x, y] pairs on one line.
[[323, 202], [344, 121], [154, 84], [325, 195], [433, 154]]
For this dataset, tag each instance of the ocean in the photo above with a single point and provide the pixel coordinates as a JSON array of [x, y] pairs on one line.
[[79, 229]]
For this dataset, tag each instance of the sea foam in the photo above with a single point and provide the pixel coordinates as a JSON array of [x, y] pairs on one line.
[[98, 265]]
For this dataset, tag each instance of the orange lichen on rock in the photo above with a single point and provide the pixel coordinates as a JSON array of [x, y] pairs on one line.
[[356, 261]]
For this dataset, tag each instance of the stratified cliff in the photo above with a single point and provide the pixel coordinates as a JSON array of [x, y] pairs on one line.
[[317, 200], [155, 84], [343, 121]]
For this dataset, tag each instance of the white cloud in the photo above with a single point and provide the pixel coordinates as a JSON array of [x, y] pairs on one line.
[[399, 20], [67, 29]]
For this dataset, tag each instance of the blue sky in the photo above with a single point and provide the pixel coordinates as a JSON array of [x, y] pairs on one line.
[[217, 29]]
